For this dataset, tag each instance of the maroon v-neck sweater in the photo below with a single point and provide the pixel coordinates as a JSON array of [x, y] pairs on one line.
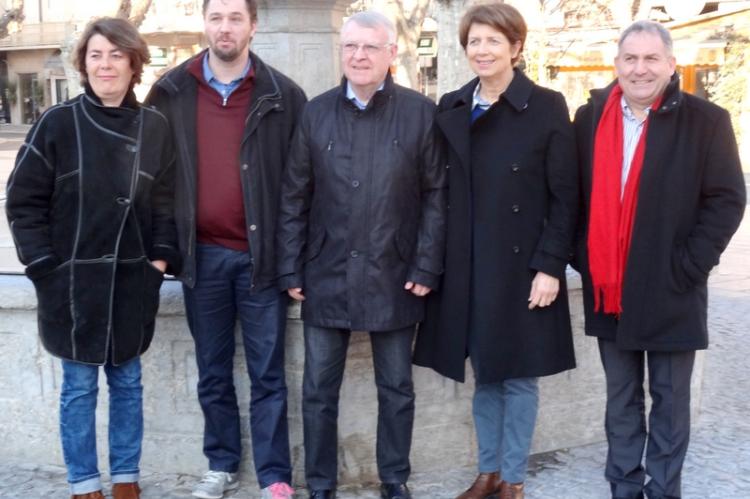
[[220, 217]]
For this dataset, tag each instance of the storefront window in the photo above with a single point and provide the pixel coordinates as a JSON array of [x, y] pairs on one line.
[[32, 97]]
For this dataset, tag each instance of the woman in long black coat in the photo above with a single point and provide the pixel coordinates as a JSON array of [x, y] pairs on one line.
[[90, 208], [513, 200]]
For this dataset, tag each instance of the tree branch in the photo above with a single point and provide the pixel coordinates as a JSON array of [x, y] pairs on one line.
[[15, 14]]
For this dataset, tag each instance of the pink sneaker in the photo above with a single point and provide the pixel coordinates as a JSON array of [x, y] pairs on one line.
[[278, 490]]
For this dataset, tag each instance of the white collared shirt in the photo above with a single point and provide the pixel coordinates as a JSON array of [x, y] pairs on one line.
[[632, 128]]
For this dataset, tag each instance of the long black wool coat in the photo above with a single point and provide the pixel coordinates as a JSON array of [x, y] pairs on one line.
[[513, 199], [90, 204], [691, 200]]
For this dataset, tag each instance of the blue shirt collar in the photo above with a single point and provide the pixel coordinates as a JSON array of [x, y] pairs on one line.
[[353, 97], [208, 75], [477, 99]]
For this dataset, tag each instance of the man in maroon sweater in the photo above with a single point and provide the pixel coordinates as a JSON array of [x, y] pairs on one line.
[[232, 118]]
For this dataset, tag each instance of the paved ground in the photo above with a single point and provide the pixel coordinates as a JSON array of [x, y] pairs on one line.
[[718, 462]]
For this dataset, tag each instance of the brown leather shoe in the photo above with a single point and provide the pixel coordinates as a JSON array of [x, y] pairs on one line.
[[511, 491], [91, 495], [487, 485], [126, 491]]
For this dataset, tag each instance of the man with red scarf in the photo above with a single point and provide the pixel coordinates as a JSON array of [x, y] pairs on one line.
[[663, 195]]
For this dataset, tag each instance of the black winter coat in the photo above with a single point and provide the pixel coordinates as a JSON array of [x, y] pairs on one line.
[[363, 209], [89, 204], [691, 200], [275, 108], [513, 198]]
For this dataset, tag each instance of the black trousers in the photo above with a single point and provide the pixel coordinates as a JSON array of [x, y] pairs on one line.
[[666, 440], [325, 357]]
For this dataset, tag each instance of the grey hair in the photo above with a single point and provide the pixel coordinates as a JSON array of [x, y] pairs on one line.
[[372, 19], [651, 27]]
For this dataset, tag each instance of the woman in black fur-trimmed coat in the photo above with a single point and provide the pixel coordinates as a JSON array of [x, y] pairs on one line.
[[90, 207]]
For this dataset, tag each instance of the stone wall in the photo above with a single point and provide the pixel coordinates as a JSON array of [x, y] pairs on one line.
[[570, 414]]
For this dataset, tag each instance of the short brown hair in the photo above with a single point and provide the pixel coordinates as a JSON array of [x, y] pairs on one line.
[[252, 8], [122, 34], [500, 16]]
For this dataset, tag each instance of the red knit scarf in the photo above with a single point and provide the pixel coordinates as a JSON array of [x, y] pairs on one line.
[[611, 218]]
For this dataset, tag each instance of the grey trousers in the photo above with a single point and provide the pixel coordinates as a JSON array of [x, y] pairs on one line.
[[666, 440]]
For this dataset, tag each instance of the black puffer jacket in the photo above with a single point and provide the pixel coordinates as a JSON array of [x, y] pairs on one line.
[[89, 204], [363, 209]]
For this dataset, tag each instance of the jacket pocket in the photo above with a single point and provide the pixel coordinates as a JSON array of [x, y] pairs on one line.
[[152, 281], [315, 244], [406, 241], [683, 280], [53, 295]]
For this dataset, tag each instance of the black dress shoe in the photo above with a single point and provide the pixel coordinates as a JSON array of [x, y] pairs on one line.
[[394, 491], [322, 494]]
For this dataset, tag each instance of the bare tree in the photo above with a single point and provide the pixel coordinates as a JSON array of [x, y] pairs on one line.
[[408, 16], [135, 11], [14, 14]]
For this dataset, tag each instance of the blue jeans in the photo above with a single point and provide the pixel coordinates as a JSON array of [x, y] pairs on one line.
[[78, 423], [325, 356], [504, 418], [221, 295]]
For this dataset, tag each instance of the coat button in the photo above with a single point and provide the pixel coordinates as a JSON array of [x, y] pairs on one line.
[[515, 208], [253, 228], [447, 167], [515, 167], [516, 249], [244, 166], [354, 253], [122, 201], [131, 147], [355, 183]]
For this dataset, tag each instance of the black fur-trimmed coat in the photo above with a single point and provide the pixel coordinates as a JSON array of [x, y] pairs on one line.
[[90, 205]]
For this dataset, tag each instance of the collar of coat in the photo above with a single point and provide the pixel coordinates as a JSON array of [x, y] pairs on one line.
[[265, 85], [380, 97], [130, 100], [517, 94], [454, 116], [672, 96]]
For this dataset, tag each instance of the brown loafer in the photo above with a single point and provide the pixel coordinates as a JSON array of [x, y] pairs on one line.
[[511, 491], [91, 495], [486, 486], [129, 490]]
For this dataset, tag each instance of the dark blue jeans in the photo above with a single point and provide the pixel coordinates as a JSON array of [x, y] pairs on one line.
[[221, 295], [325, 356]]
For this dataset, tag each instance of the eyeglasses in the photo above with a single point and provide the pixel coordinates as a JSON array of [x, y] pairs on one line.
[[367, 48]]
